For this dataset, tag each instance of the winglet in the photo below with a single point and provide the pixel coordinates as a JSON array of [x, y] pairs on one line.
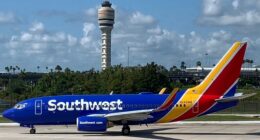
[[162, 91], [168, 101]]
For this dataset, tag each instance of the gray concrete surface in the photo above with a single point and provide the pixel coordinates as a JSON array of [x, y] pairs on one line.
[[241, 115], [157, 131]]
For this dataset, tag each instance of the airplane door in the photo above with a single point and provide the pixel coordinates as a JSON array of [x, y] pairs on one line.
[[38, 107], [195, 109]]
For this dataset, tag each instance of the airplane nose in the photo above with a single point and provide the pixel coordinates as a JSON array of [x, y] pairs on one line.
[[9, 114]]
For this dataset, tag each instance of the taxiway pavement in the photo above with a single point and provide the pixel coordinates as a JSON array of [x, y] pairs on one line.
[[170, 131]]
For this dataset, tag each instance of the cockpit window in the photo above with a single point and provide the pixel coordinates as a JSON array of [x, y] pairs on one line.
[[20, 106]]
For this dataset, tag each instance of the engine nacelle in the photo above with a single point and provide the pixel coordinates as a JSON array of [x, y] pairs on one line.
[[87, 123]]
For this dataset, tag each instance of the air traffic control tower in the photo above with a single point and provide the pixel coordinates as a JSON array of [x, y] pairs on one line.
[[106, 16]]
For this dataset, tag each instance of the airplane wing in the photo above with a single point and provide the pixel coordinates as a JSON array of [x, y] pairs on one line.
[[238, 96], [138, 114], [130, 115]]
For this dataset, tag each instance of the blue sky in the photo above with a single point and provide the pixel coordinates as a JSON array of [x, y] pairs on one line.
[[65, 32]]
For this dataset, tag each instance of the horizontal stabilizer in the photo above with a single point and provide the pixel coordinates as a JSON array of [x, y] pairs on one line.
[[162, 91], [169, 100], [235, 98]]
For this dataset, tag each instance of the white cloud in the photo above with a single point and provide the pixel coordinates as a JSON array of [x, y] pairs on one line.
[[37, 27], [148, 41], [235, 4], [87, 38], [25, 37], [139, 18], [72, 40], [156, 30], [244, 19], [35, 48], [243, 13], [151, 42], [39, 46], [222, 35], [211, 7], [88, 27], [38, 41]]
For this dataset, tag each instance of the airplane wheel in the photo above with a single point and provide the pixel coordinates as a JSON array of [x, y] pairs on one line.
[[32, 131], [126, 130]]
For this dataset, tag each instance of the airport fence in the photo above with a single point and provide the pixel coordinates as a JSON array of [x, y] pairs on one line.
[[244, 107]]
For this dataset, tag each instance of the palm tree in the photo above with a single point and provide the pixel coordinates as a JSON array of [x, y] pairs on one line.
[[14, 70], [251, 63], [67, 70], [198, 64], [23, 70], [38, 67], [46, 68], [7, 69], [173, 68], [183, 65], [17, 67], [10, 68]]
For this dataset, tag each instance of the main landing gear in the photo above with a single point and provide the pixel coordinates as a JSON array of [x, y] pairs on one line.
[[126, 130], [32, 130]]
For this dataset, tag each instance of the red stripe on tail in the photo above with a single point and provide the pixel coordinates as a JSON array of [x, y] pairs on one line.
[[222, 83]]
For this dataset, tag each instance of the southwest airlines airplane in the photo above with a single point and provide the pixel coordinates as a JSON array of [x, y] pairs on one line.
[[98, 112]]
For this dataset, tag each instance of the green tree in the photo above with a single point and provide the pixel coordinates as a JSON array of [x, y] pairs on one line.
[[58, 68]]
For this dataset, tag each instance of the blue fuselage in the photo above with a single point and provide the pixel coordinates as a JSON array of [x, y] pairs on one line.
[[66, 109]]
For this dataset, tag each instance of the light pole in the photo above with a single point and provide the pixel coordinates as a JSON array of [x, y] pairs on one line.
[[128, 49], [207, 61]]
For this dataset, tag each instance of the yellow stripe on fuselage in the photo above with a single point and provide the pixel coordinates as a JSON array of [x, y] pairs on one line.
[[193, 94]]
